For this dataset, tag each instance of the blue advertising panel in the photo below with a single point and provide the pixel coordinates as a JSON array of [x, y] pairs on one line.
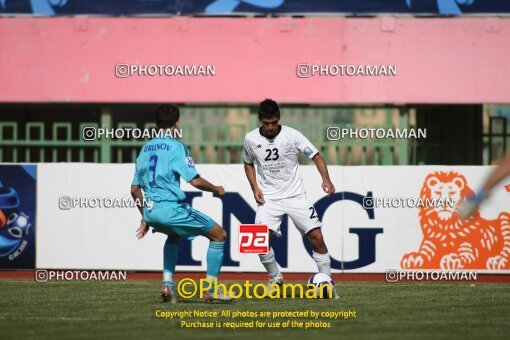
[[212, 7], [17, 216]]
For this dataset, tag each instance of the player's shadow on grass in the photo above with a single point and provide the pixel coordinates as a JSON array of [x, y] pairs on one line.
[[206, 303]]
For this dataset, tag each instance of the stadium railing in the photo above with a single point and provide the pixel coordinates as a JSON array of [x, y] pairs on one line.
[[208, 142]]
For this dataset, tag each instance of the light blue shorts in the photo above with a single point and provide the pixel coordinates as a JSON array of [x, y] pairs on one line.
[[177, 219]]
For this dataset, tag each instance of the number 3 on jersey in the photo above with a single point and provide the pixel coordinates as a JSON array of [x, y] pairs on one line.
[[272, 152], [152, 170]]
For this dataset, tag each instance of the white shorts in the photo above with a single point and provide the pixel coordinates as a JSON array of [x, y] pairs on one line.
[[298, 208]]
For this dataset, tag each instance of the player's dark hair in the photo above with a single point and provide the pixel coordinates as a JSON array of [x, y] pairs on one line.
[[166, 115], [268, 108]]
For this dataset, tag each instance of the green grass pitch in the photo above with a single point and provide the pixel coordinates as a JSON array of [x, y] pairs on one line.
[[126, 310]]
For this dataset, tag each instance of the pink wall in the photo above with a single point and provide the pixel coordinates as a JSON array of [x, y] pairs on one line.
[[461, 60]]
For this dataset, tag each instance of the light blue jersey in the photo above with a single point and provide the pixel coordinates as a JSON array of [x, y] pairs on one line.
[[159, 167]]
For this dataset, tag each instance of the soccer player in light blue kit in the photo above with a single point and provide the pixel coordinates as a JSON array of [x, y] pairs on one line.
[[161, 164]]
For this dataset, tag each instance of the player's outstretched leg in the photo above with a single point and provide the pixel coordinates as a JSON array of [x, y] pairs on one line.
[[269, 262], [320, 253], [217, 236], [170, 252]]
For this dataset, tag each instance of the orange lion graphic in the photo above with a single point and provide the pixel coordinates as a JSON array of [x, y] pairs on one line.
[[451, 243]]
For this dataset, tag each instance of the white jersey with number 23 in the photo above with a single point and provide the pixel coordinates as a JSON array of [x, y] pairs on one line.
[[277, 159]]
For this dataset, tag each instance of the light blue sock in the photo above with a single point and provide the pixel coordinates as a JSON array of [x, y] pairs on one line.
[[170, 252], [214, 259]]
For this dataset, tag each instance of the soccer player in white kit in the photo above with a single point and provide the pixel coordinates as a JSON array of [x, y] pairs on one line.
[[278, 187]]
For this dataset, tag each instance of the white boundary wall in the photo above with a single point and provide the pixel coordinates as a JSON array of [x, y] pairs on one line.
[[104, 238]]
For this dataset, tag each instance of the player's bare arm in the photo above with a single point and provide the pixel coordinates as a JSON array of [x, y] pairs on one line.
[[204, 185], [249, 169], [327, 185], [500, 173], [137, 194], [468, 207]]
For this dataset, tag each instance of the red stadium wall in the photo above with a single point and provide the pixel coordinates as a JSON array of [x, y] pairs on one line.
[[461, 60]]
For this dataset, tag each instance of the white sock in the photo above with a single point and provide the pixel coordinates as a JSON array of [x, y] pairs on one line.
[[167, 277], [323, 262], [269, 262]]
